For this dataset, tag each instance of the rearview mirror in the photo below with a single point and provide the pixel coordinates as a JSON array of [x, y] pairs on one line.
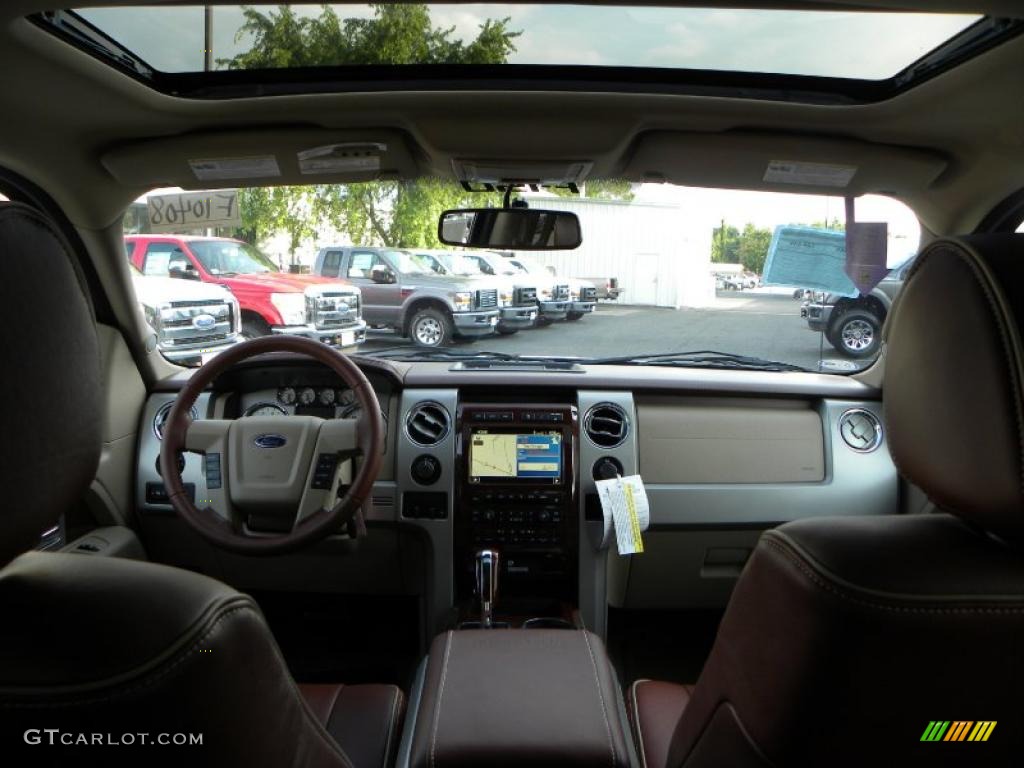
[[520, 229]]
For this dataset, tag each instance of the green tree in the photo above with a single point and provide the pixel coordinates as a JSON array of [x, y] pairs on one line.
[[835, 225], [753, 247], [725, 244], [383, 213]]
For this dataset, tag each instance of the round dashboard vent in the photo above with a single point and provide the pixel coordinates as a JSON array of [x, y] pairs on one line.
[[860, 429], [607, 425], [161, 418], [427, 424]]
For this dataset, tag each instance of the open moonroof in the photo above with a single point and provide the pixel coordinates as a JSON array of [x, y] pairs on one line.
[[809, 54]]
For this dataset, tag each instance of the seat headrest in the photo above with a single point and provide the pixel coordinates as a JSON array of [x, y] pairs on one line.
[[954, 379], [50, 386]]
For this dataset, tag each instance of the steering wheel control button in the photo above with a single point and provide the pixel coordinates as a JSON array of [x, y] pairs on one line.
[[861, 430], [211, 464], [426, 469], [323, 473], [423, 505]]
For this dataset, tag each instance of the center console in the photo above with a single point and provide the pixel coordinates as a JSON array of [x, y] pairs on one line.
[[515, 495], [530, 697]]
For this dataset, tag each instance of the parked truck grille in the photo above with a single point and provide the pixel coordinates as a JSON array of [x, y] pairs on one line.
[[588, 294], [332, 310], [561, 293], [487, 298], [187, 323], [523, 296]]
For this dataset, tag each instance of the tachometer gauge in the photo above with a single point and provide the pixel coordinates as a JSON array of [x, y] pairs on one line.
[[307, 396], [265, 409], [327, 396], [286, 395]]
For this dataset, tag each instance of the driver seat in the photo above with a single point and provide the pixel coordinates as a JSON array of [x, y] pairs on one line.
[[95, 649]]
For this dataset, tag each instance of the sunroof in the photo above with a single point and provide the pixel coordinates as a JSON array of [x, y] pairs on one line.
[[858, 45]]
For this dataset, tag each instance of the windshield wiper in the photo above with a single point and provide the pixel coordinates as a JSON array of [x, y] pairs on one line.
[[413, 352], [702, 358]]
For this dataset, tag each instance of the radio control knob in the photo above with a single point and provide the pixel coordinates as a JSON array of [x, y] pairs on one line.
[[426, 469]]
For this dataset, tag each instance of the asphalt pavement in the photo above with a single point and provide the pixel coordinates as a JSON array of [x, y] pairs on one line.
[[755, 322]]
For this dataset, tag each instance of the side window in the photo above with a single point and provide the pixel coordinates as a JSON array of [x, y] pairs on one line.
[[1020, 228], [129, 249], [158, 258], [483, 265], [332, 264], [362, 263]]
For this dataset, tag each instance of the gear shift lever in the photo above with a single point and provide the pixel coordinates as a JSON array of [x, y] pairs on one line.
[[488, 563]]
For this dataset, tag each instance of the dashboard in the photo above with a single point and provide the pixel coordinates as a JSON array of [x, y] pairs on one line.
[[470, 465]]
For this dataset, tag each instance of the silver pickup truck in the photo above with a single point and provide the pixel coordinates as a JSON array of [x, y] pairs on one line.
[[411, 295], [517, 296], [553, 299], [192, 321]]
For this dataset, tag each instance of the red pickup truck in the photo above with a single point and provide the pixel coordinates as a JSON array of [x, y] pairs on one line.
[[325, 309]]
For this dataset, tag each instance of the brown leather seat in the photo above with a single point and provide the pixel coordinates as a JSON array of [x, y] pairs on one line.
[[94, 647], [848, 638]]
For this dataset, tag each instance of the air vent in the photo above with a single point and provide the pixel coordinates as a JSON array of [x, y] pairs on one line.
[[427, 424], [607, 425], [860, 429], [161, 418]]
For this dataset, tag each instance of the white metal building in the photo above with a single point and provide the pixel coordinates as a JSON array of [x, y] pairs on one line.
[[659, 257]]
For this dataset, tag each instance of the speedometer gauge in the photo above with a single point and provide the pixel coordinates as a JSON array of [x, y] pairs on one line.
[[265, 409], [307, 395]]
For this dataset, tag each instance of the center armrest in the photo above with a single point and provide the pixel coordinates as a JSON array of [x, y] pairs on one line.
[[520, 697]]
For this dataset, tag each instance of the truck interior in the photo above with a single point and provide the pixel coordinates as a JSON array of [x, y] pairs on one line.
[[294, 556]]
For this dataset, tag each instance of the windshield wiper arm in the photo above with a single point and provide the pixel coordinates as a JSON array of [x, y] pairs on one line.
[[702, 358]]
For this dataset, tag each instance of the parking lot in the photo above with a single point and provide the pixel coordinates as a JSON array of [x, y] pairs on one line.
[[759, 323]]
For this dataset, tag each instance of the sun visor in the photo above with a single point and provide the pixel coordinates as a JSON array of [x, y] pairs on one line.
[[777, 163], [259, 158]]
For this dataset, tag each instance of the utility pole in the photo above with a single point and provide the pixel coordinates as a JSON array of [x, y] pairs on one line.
[[207, 38]]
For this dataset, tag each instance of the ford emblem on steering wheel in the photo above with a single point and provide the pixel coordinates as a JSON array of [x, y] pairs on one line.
[[269, 441]]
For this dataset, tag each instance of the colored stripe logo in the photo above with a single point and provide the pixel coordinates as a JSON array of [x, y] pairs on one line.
[[958, 730]]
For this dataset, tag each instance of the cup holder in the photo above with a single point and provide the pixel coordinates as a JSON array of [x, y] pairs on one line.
[[547, 622]]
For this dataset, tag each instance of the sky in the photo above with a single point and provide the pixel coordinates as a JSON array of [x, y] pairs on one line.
[[839, 44]]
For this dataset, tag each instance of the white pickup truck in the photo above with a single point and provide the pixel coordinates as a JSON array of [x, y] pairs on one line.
[[192, 321]]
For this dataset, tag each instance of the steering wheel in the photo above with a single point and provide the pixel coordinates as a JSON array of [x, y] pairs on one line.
[[286, 472]]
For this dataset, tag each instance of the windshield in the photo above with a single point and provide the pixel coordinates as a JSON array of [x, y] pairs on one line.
[[457, 264], [666, 275], [220, 257], [415, 263]]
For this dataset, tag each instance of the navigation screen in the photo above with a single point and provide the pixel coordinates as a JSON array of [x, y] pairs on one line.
[[533, 455]]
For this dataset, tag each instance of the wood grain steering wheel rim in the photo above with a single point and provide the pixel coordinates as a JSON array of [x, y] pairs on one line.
[[229, 534]]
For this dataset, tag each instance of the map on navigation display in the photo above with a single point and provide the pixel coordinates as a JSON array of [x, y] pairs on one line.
[[534, 455]]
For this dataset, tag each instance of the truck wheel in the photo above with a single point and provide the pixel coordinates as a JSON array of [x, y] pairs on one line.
[[430, 328], [857, 334], [574, 315], [506, 331], [253, 329]]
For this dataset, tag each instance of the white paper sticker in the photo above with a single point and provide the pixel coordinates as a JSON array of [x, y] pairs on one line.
[[253, 167], [341, 158], [626, 511], [809, 174], [191, 210]]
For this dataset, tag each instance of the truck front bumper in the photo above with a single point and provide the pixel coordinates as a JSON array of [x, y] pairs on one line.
[[196, 355], [480, 323], [554, 310], [582, 307], [344, 338], [817, 315], [517, 318]]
